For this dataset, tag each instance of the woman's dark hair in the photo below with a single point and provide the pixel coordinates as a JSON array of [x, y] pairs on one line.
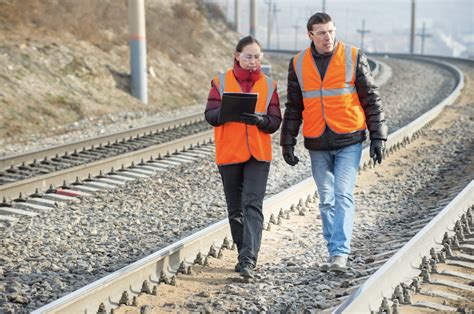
[[318, 18], [247, 40]]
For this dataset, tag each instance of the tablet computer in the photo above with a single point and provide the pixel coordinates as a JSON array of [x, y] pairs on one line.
[[233, 105]]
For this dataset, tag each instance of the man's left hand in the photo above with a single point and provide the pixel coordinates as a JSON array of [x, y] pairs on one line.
[[252, 119], [377, 148]]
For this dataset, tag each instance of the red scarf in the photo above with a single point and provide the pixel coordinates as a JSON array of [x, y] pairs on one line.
[[246, 78]]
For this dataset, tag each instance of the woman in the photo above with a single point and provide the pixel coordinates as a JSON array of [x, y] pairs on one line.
[[243, 149]]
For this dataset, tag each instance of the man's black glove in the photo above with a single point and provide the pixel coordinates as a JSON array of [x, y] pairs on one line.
[[254, 119], [376, 150], [289, 155]]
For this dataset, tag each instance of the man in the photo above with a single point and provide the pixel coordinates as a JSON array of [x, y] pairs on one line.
[[331, 90]]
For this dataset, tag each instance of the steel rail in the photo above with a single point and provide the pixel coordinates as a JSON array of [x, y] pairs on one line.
[[401, 267], [404, 55], [27, 157], [374, 66], [383, 74], [413, 129], [30, 156], [41, 183], [109, 289]]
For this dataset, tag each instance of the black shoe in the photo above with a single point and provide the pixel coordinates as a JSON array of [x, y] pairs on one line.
[[237, 267], [246, 271]]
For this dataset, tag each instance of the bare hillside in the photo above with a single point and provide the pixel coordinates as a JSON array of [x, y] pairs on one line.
[[63, 61]]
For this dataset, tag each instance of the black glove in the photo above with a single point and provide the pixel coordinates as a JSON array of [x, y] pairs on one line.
[[254, 119], [376, 150], [289, 155], [212, 116]]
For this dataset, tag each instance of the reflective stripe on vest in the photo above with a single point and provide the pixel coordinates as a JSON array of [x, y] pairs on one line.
[[236, 142], [333, 101]]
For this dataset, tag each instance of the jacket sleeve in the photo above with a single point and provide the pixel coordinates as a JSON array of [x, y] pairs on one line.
[[294, 108], [273, 115], [370, 100], [213, 106]]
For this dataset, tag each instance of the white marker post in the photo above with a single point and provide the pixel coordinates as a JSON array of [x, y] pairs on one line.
[[137, 42]]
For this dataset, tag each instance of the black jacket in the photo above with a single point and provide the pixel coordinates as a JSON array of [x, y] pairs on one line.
[[369, 98]]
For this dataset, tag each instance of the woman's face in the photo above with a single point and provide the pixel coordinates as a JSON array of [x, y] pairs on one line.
[[250, 57]]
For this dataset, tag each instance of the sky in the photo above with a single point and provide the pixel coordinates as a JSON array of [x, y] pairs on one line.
[[449, 23]]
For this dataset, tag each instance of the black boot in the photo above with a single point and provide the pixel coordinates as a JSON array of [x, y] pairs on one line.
[[247, 271]]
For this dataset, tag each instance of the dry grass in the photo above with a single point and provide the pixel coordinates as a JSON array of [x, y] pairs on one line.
[[104, 22], [88, 20], [65, 60]]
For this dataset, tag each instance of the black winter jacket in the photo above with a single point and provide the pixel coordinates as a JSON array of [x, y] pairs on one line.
[[369, 98]]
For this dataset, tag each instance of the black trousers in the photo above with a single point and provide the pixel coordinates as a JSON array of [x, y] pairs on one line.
[[244, 188]]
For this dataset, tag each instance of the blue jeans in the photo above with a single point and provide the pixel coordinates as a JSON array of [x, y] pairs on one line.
[[335, 173]]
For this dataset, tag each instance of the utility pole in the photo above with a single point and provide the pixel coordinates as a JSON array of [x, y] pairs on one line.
[[236, 15], [362, 32], [275, 21], [324, 5], [296, 27], [412, 31], [423, 35], [137, 42], [253, 18], [269, 22]]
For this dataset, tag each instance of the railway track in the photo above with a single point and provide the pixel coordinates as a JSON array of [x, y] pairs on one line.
[[66, 166], [28, 165], [91, 158], [175, 258], [444, 279]]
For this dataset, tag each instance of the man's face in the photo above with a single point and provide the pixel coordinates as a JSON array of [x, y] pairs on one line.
[[323, 36]]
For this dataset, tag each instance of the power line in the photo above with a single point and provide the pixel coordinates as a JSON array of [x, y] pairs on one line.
[[269, 22], [296, 27], [423, 35], [275, 22], [362, 32]]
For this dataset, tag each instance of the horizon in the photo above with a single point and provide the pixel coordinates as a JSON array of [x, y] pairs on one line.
[[448, 23]]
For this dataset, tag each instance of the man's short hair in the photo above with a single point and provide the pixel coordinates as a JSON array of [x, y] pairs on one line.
[[318, 18]]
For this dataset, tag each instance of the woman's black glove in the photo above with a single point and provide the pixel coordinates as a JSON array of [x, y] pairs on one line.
[[254, 119], [212, 116]]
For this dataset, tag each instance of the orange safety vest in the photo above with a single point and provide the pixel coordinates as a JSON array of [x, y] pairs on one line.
[[334, 100], [235, 141]]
